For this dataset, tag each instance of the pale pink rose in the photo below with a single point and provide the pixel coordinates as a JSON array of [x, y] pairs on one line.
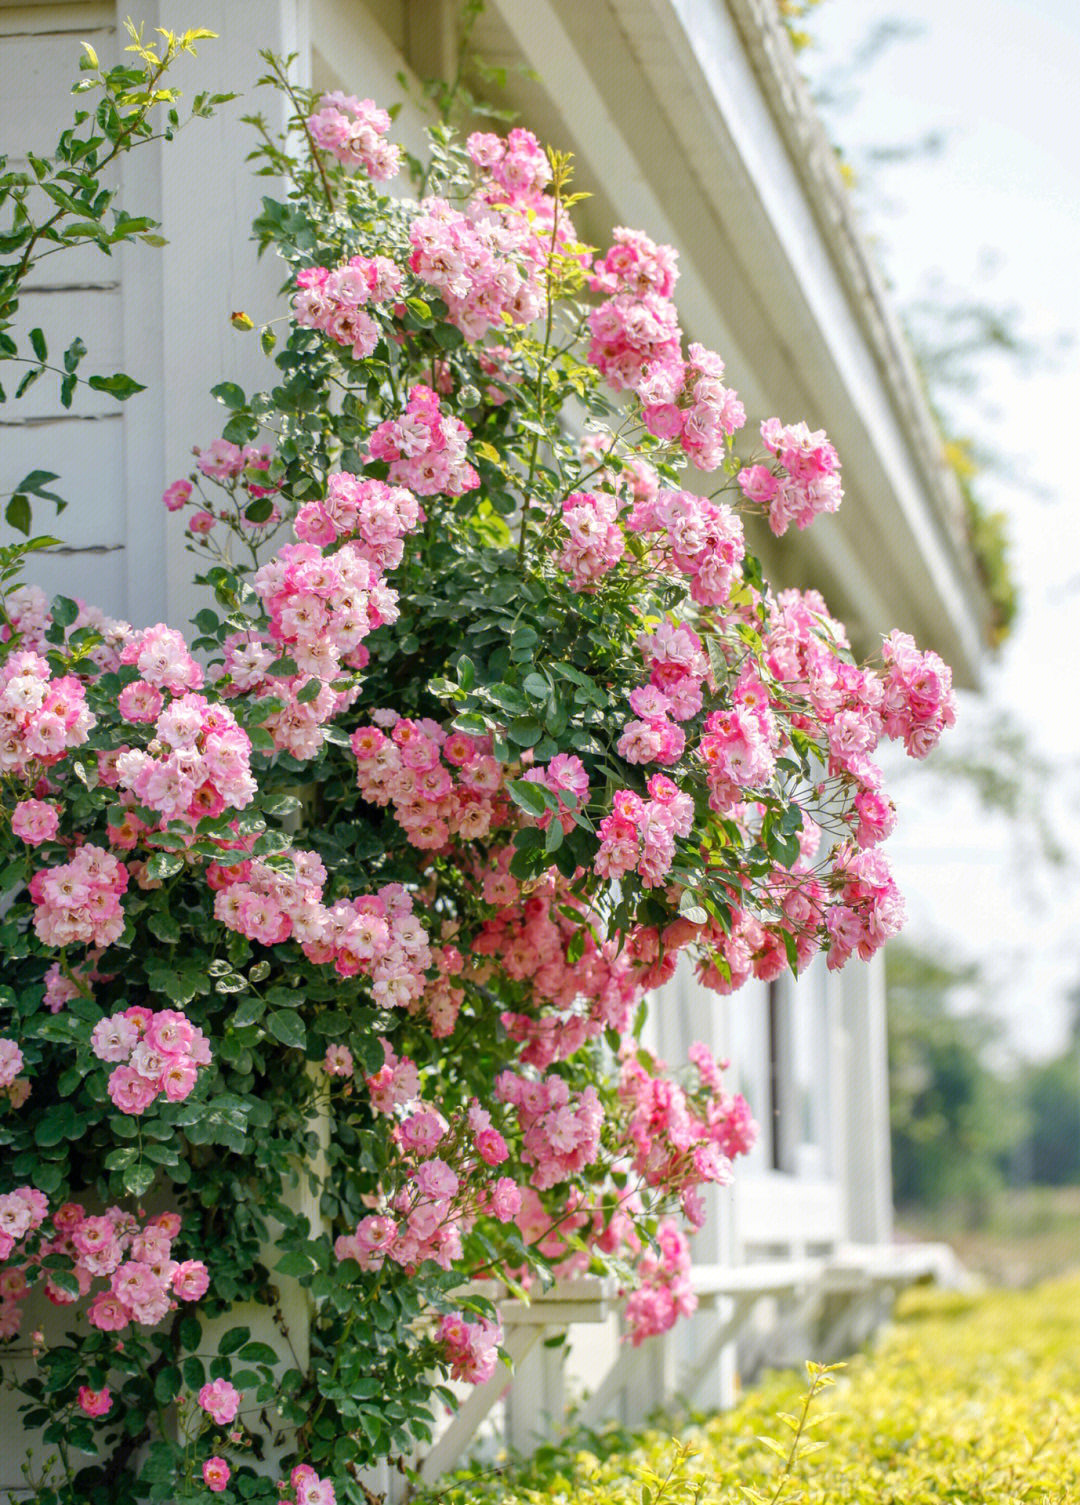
[[436, 1180], [11, 1060], [177, 495], [190, 1280], [220, 1400], [215, 1472], [107, 1312], [35, 821], [95, 1402], [131, 1092]]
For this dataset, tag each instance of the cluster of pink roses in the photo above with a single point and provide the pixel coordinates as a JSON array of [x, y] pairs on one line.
[[636, 329], [431, 1199], [377, 934], [677, 666], [373, 516], [664, 1293], [144, 1281], [739, 746], [440, 783], [481, 262], [41, 718], [653, 737], [198, 764], [561, 1137], [639, 835], [469, 1346], [594, 543], [163, 660], [334, 301], [869, 908], [918, 702], [321, 606], [702, 539], [487, 261], [78, 902], [531, 941], [354, 131], [517, 163], [425, 448], [298, 727], [637, 344], [158, 1051], [804, 481], [677, 669], [688, 402], [676, 1143]]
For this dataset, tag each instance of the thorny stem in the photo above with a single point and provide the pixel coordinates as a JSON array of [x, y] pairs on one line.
[[316, 156], [542, 367]]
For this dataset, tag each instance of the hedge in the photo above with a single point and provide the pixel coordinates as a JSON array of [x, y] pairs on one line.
[[974, 1399]]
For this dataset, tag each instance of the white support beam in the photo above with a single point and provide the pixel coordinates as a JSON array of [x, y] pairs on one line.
[[518, 1343]]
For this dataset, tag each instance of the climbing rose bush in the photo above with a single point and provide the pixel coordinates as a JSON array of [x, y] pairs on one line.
[[330, 930]]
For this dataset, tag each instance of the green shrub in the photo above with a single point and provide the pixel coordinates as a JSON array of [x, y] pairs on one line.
[[974, 1400]]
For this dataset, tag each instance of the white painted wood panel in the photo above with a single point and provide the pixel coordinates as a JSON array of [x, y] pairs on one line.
[[95, 315], [37, 74], [88, 456]]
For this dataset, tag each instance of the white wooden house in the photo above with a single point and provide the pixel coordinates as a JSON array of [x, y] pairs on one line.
[[687, 118]]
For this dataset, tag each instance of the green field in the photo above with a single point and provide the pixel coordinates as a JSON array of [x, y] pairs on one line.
[[1027, 1234]]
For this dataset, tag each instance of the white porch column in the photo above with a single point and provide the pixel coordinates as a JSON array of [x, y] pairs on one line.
[[868, 1178]]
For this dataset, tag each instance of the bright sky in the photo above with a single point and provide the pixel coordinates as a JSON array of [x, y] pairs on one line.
[[1000, 80]]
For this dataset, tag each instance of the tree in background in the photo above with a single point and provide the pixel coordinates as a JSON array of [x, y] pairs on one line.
[[955, 1119]]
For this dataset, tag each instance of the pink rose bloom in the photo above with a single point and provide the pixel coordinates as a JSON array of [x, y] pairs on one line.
[[178, 1079], [131, 1092], [35, 821], [201, 522], [177, 495], [315, 1491], [215, 1472], [11, 1059], [505, 1199], [107, 1312], [421, 1131], [95, 1402], [491, 1147], [436, 1180], [220, 1400], [190, 1280], [338, 1061]]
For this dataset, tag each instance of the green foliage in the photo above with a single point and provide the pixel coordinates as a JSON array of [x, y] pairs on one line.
[[971, 1399], [1051, 1093], [953, 1119]]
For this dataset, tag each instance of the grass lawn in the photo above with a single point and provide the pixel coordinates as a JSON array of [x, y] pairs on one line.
[[967, 1399]]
